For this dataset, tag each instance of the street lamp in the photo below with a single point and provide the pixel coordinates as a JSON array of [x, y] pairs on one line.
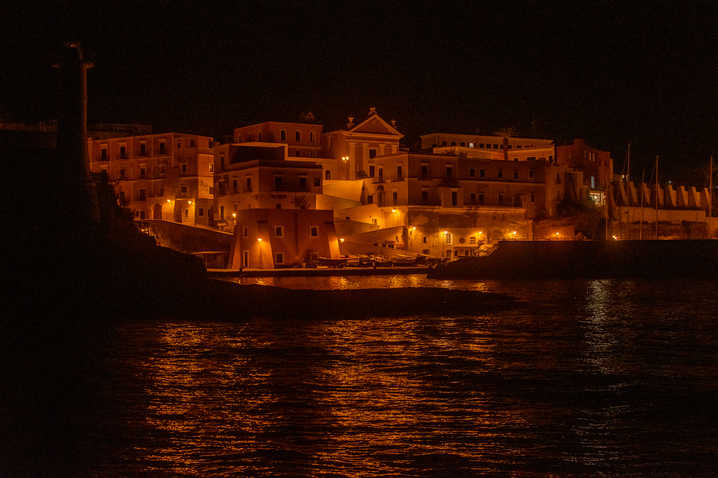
[[345, 160]]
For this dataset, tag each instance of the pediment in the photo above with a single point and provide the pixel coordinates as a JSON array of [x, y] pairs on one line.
[[375, 125]]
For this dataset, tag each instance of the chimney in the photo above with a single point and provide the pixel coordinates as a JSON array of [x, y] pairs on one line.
[[393, 123], [350, 122], [372, 111]]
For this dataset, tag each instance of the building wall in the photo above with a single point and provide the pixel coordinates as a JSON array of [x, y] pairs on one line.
[[295, 243], [302, 139], [160, 176]]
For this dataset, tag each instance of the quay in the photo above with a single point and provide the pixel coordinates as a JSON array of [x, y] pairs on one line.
[[316, 271]]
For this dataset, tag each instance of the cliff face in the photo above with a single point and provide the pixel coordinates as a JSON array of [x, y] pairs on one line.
[[65, 261]]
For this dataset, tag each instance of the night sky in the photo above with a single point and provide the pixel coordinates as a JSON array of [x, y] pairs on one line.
[[606, 71]]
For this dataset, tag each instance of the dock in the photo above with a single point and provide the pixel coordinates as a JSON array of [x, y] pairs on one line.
[[316, 271]]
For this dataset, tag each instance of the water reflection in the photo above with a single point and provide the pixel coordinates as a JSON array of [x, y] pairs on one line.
[[582, 382]]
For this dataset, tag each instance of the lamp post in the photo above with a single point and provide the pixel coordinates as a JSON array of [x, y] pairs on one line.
[[345, 160]]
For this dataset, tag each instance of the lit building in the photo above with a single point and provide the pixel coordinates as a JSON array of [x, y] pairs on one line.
[[258, 176], [268, 238], [302, 139], [353, 147], [159, 176]]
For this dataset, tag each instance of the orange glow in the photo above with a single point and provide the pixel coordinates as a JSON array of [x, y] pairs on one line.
[[444, 232], [259, 239], [189, 202], [341, 239], [394, 210], [169, 200], [614, 237], [556, 234], [234, 215]]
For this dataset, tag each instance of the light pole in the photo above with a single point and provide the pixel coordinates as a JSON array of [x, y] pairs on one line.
[[345, 160]]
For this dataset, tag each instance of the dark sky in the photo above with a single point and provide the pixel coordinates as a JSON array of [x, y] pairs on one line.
[[606, 71]]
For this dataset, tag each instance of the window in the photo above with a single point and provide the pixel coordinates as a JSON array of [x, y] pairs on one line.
[[473, 198], [103, 154], [123, 152], [482, 173], [248, 185], [424, 170], [317, 181], [501, 198], [259, 136], [142, 214], [311, 137], [472, 172], [179, 144], [472, 239], [395, 196], [245, 258], [370, 199], [399, 172], [142, 195], [283, 136], [234, 185], [278, 231], [533, 197], [122, 173], [183, 189], [531, 173], [314, 231], [371, 171], [449, 171], [500, 173], [200, 211], [481, 198], [143, 149], [516, 173], [186, 213], [449, 238], [496, 146], [143, 171], [192, 143], [531, 158], [424, 196], [245, 231], [381, 172], [372, 153], [279, 258], [454, 198], [297, 137], [277, 182], [424, 240], [221, 212], [303, 183], [184, 168], [278, 206], [327, 174], [211, 167], [481, 145]]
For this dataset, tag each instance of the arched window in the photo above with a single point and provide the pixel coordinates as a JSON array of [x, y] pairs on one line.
[[283, 135]]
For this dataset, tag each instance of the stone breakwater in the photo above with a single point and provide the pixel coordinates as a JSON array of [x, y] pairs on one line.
[[588, 259], [227, 301]]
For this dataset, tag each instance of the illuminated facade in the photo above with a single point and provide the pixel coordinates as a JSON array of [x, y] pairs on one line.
[[159, 176], [269, 238], [258, 176]]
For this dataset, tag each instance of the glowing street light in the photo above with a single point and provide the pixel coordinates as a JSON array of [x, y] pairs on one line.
[[341, 239], [394, 211], [259, 239], [614, 237], [234, 215]]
